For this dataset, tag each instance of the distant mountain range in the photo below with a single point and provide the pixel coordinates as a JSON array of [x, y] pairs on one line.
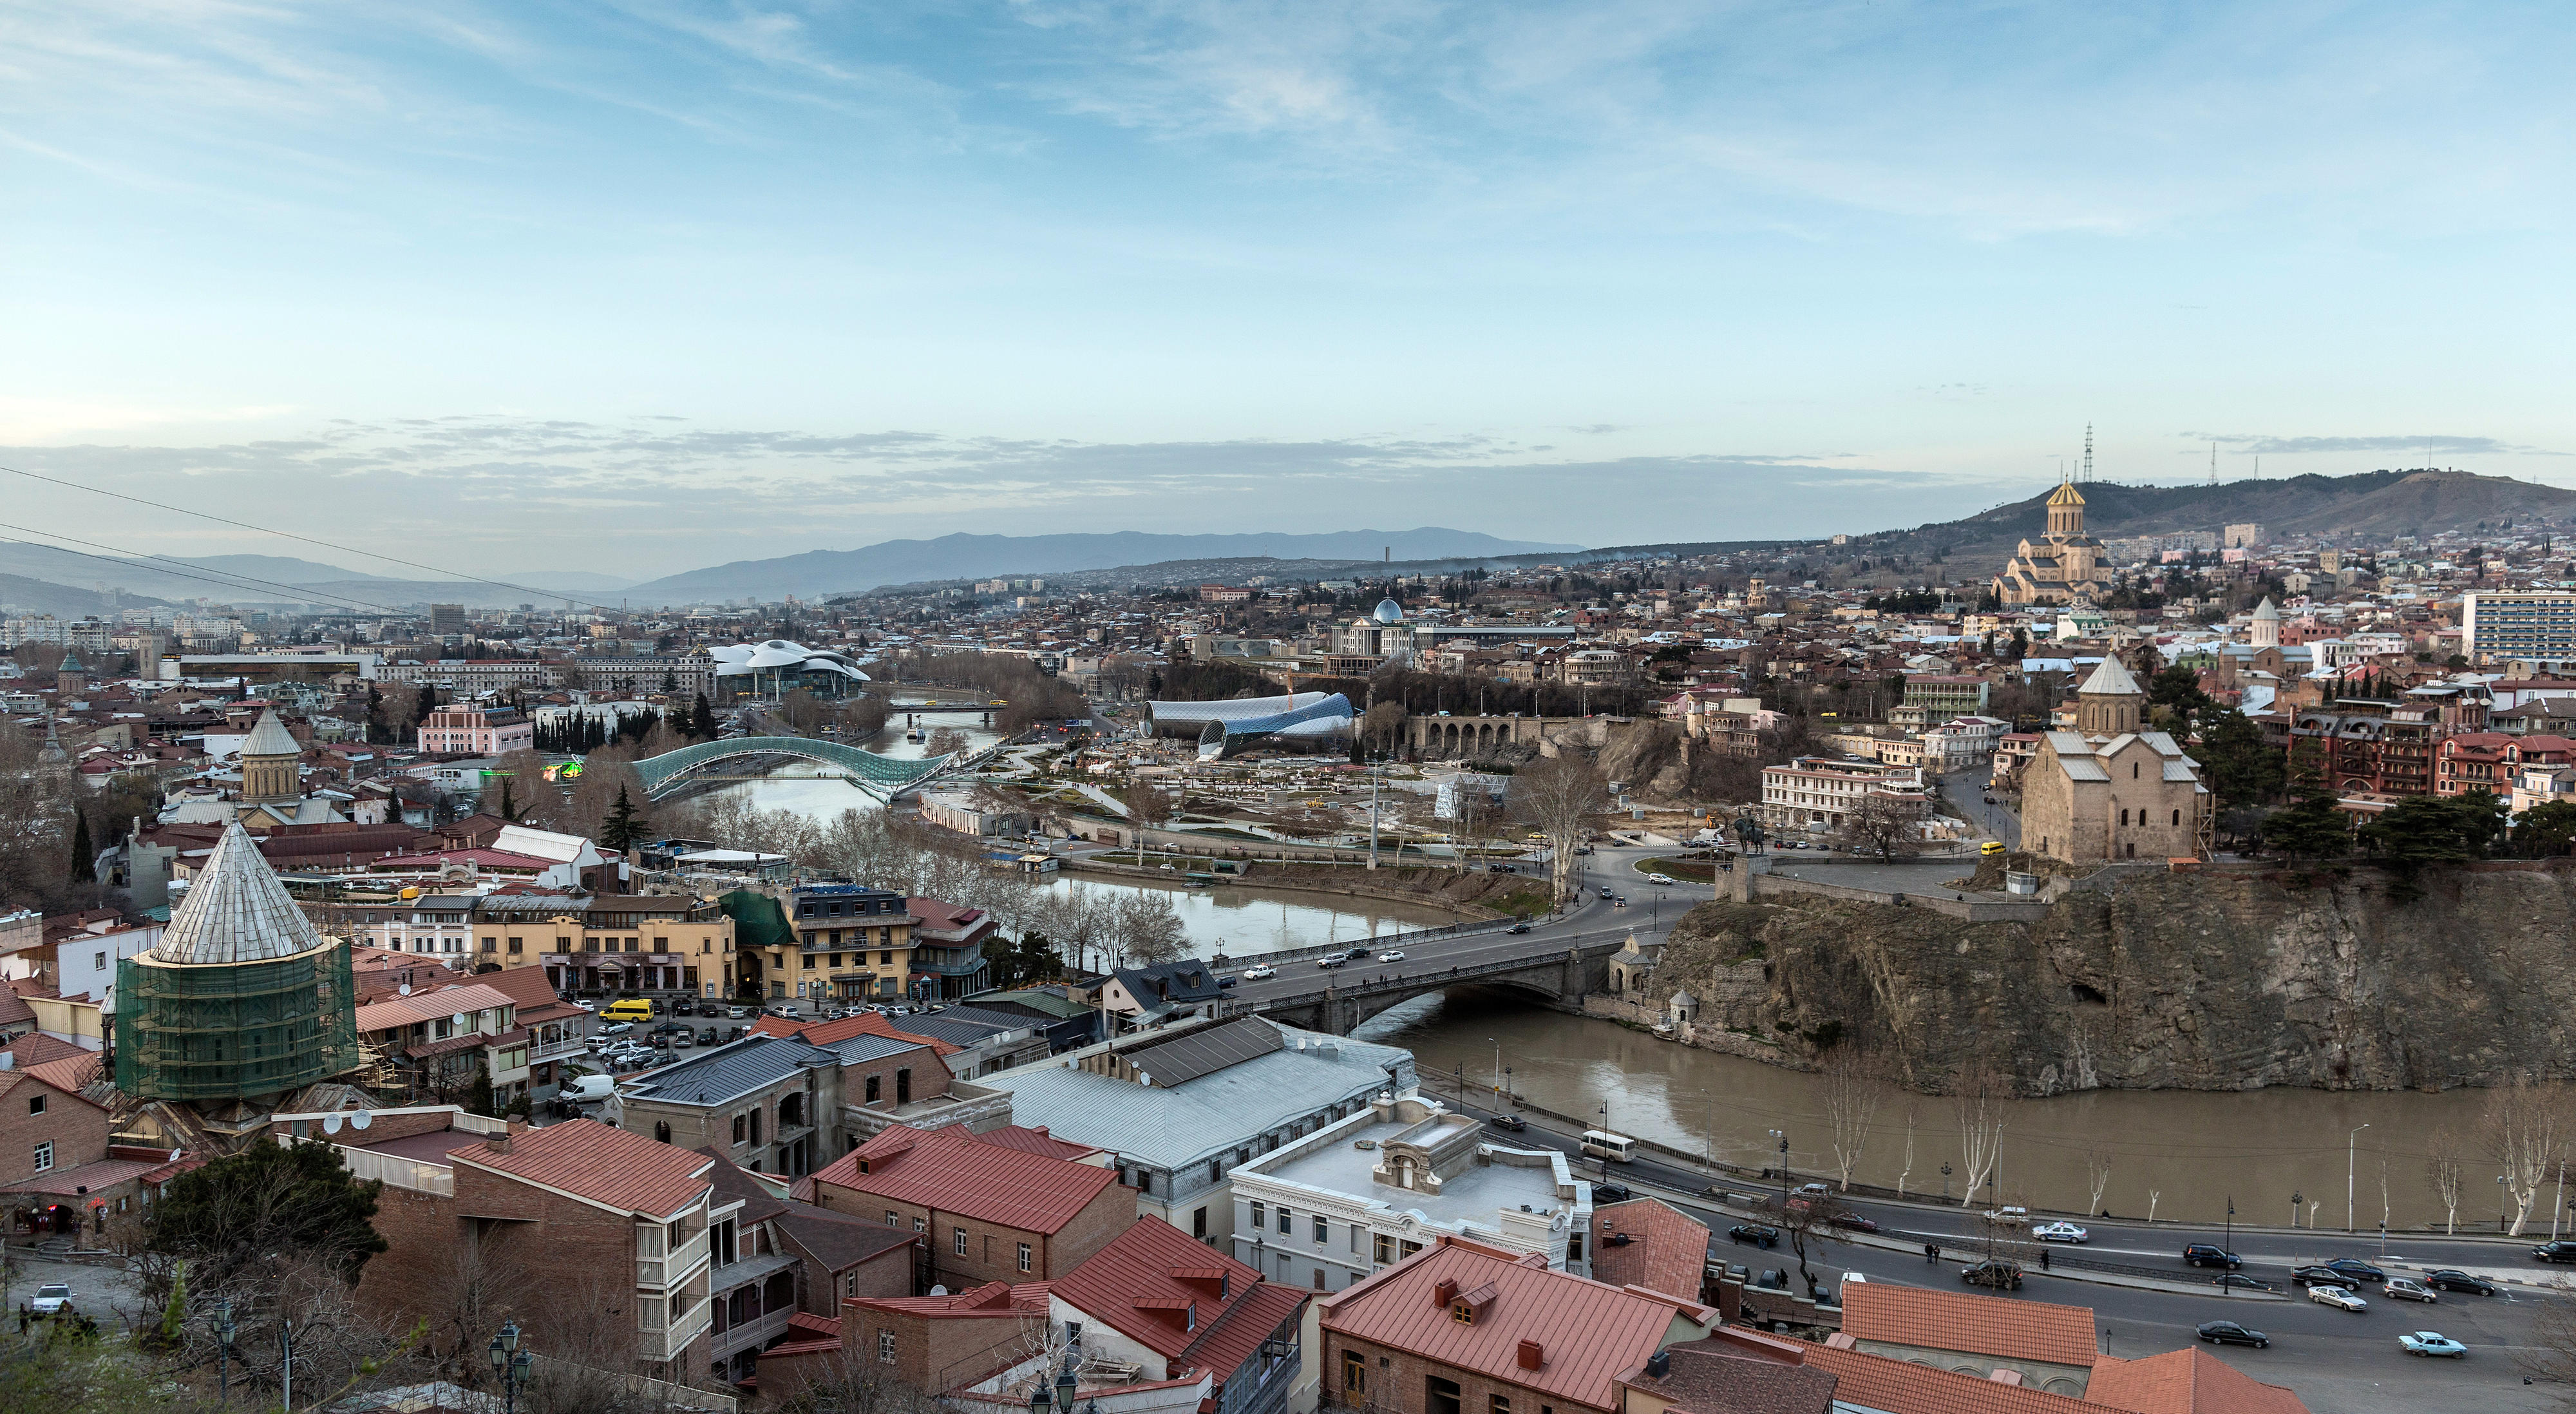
[[72, 582], [821, 572]]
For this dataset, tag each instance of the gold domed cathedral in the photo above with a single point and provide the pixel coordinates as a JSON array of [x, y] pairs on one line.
[[2063, 565]]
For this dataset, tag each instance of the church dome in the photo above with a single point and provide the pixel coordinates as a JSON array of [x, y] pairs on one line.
[[1389, 612], [2066, 495]]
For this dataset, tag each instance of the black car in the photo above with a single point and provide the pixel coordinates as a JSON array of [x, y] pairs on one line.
[[1225, 980], [1517, 928], [2559, 1251], [2238, 1280], [2230, 1333], [2324, 1276], [707, 1036], [2002, 1276], [2451, 1279], [1754, 1233], [1615, 1192], [2358, 1269], [1514, 1123], [2203, 1254]]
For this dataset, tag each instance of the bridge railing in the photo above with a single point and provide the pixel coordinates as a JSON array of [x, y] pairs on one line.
[[1376, 943], [1436, 977]]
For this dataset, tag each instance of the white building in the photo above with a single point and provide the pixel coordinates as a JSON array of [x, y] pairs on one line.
[[1340, 1205], [1816, 792]]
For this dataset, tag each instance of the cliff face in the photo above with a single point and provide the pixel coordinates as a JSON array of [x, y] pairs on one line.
[[2214, 981]]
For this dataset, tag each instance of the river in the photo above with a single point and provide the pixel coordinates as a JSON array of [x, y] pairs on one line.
[[2193, 1151]]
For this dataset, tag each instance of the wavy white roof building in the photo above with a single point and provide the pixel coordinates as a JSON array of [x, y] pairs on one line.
[[779, 664]]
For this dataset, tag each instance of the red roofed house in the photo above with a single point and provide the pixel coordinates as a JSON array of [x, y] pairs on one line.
[[1645, 1242], [2187, 1381], [939, 1343], [606, 1241], [990, 1211], [1463, 1328], [1162, 1300], [2051, 1347], [440, 1039]]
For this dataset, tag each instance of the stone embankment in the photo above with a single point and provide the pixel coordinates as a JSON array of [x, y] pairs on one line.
[[2225, 979]]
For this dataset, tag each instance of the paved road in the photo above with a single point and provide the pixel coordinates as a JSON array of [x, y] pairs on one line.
[[1966, 793], [1594, 921]]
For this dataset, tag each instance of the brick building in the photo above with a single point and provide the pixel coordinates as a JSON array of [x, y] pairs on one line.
[[47, 1129], [991, 1211]]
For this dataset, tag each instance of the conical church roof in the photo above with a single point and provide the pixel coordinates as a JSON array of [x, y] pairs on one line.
[[270, 737], [2265, 610], [2066, 495], [2111, 680], [236, 911]]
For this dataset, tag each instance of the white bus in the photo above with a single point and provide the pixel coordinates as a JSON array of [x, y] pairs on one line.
[[1602, 1144]]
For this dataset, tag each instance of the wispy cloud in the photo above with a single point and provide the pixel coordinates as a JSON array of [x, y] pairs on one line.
[[2425, 444]]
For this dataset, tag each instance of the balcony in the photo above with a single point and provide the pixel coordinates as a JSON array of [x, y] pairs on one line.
[[668, 1341], [570, 1045], [752, 1334], [656, 1268]]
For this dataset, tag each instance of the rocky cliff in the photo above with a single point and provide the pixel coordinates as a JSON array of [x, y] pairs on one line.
[[2210, 981]]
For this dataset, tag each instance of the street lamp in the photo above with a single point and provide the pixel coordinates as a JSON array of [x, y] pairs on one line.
[[2228, 1250], [1783, 1137], [510, 1363], [2349, 1141], [225, 1330], [1945, 1183]]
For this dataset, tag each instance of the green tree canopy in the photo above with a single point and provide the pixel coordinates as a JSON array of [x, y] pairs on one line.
[[2545, 830], [2311, 829], [295, 1199], [2436, 829], [2241, 767]]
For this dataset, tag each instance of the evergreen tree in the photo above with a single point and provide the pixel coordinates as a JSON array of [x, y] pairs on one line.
[[2311, 829], [702, 720], [242, 1209], [509, 809], [2545, 830], [621, 830], [84, 862]]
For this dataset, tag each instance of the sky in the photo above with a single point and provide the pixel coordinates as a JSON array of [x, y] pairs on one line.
[[632, 287]]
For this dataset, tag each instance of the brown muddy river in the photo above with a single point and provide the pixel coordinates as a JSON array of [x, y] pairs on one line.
[[2191, 1150]]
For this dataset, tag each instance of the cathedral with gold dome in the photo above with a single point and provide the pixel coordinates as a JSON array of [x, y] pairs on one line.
[[2062, 566]]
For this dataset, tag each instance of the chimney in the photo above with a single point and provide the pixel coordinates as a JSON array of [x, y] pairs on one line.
[[1659, 1364], [1534, 1355], [497, 1143], [1443, 1292]]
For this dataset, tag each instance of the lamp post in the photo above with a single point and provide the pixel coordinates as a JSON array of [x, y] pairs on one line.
[[2227, 1251], [2349, 1143], [510, 1363], [1945, 1183], [225, 1330], [2296, 1198], [1783, 1136]]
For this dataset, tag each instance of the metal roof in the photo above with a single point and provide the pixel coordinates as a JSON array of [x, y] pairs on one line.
[[269, 737], [235, 911], [714, 1077], [1178, 1060]]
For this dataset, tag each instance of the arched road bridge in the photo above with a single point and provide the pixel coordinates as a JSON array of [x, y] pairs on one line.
[[1552, 970], [883, 777]]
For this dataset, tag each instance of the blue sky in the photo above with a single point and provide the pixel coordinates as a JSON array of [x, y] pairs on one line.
[[708, 281]]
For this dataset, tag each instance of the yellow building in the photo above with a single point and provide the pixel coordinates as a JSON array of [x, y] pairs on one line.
[[657, 945], [852, 943], [2063, 565]]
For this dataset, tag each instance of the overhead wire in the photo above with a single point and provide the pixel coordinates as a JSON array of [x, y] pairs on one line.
[[129, 558], [307, 539]]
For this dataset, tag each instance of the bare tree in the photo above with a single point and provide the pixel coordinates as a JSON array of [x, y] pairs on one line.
[[1555, 795], [2153, 1196], [1879, 825], [1147, 804], [2097, 1172], [2446, 1164], [1470, 806], [1907, 1171], [1979, 1095], [1808, 1219], [1855, 1085], [2521, 1129]]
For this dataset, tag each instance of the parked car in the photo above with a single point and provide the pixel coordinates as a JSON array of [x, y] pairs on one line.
[[2202, 1254], [741, 1013], [2060, 1232], [1391, 955], [1853, 1221], [1614, 1192], [2400, 1289], [2323, 1276], [2337, 1297], [2242, 1282], [614, 1028], [589, 1088], [2431, 1343], [1259, 974], [684, 1008], [1518, 928], [2452, 1279], [2358, 1269], [2230, 1333], [2001, 1275], [1514, 1123], [684, 1041], [2563, 1250], [51, 1298], [1754, 1234]]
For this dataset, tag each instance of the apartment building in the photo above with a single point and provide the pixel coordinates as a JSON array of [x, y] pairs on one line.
[[850, 943], [662, 946], [1816, 792], [990, 1210], [768, 1103], [2531, 623], [475, 731], [436, 1041]]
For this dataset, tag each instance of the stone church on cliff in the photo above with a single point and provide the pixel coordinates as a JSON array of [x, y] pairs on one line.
[[2108, 790]]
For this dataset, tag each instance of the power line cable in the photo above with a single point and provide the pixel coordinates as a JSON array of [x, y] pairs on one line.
[[128, 558], [307, 539]]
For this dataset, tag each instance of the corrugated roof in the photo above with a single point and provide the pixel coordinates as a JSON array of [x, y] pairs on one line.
[[952, 1171], [1174, 1127], [1969, 1323], [601, 1163], [1666, 1249], [2186, 1381], [736, 1068], [439, 1005], [269, 737], [1881, 1382], [1588, 1333], [1180, 1059], [826, 1033], [235, 910]]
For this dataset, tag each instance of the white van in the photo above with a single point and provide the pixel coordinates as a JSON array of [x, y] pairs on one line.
[[1602, 1144], [590, 1088]]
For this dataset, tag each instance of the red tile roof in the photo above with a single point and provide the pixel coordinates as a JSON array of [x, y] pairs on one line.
[[826, 1033], [600, 1163], [1970, 1324], [2186, 1381], [12, 1081], [1666, 1249], [35, 1048], [72, 1073], [1149, 1282], [1903, 1387], [950, 1170], [1588, 1333]]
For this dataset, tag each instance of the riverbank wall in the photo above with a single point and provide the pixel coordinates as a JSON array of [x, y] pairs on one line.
[[2231, 978]]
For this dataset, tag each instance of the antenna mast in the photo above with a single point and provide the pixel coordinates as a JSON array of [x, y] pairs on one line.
[[2088, 454], [2213, 463]]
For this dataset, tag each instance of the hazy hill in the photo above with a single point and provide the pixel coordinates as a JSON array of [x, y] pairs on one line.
[[821, 572]]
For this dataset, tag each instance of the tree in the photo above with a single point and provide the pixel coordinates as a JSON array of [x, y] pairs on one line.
[[1147, 805], [1979, 1094], [2241, 767], [2432, 829], [2097, 1172], [1808, 1219], [702, 720], [1877, 824], [1556, 795], [509, 809], [84, 855], [2521, 1130], [623, 829], [2311, 829], [2545, 830], [297, 1200], [1855, 1085]]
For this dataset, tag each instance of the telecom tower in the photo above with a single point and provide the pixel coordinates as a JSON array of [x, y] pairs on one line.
[[2213, 463], [2088, 453]]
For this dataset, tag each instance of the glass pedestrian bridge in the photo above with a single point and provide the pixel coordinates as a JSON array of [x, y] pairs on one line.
[[883, 777]]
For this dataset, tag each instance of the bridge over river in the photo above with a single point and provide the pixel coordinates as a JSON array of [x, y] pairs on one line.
[[883, 777]]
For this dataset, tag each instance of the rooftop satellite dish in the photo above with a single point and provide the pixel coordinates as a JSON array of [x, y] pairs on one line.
[[361, 1120], [330, 1124], [939, 1290], [403, 991], [458, 1019]]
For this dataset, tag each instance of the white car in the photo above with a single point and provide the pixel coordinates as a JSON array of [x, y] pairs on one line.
[[2059, 1232], [52, 1298], [590, 1089], [1391, 955], [2431, 1343], [2009, 1215], [2338, 1298], [1660, 879], [1255, 974]]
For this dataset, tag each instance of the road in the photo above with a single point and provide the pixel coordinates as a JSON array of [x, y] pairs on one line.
[[2334, 1359], [1966, 793], [1595, 920]]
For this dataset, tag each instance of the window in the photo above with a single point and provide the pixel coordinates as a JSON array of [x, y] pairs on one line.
[[1025, 1258], [1443, 1396], [98, 962], [892, 1219], [1319, 1280], [755, 1126], [1287, 1222], [961, 1242], [850, 1284], [1216, 1170], [1574, 1245], [661, 945], [885, 1346], [662, 1131], [1355, 1236], [1321, 1232], [516, 946], [491, 944], [2177, 817], [44, 1156], [921, 1224], [1382, 1249], [1260, 1217], [885, 959], [1498, 1404], [1144, 1182], [1354, 1372], [35, 1104], [737, 1129], [874, 1082], [1198, 1223]]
